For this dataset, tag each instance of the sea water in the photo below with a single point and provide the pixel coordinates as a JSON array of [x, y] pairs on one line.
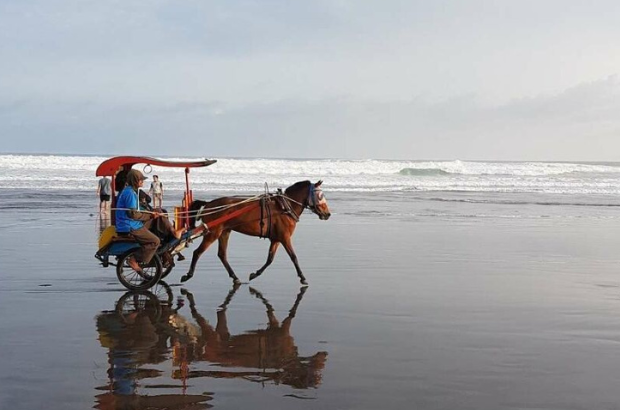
[[439, 188]]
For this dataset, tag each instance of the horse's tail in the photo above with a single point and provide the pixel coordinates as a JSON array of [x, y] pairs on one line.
[[193, 211]]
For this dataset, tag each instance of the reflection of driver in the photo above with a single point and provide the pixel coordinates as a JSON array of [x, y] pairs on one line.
[[134, 337], [129, 339]]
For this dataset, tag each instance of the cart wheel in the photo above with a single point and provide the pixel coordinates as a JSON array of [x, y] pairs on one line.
[[132, 280], [163, 293], [138, 302]]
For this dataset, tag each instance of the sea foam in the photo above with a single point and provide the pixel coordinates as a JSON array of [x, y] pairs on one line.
[[250, 175]]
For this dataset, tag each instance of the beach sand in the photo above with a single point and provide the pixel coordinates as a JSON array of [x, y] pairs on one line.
[[412, 303]]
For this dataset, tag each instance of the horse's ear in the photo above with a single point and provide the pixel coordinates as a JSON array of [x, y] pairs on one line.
[[318, 184]]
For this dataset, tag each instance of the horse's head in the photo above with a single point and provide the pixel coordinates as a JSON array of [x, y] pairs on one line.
[[316, 201]]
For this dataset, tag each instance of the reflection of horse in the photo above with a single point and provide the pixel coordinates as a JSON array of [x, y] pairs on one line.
[[273, 219], [271, 353], [143, 331]]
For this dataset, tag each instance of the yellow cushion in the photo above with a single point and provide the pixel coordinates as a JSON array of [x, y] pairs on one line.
[[106, 236]]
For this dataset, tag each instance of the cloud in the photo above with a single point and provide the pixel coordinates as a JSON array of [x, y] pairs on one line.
[[579, 123], [330, 78], [131, 51]]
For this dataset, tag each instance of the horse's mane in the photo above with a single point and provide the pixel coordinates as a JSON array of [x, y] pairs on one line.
[[296, 187]]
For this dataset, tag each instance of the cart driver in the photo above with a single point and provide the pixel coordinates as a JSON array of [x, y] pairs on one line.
[[131, 221]]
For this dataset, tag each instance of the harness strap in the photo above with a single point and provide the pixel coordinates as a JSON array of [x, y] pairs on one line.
[[231, 215], [261, 222], [285, 204], [311, 198], [269, 225], [265, 209]]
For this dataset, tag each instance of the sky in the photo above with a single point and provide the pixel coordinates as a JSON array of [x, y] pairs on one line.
[[389, 79]]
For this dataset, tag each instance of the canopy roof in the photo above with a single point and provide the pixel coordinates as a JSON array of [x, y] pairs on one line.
[[110, 166]]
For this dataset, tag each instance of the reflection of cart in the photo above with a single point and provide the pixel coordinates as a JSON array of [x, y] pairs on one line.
[[147, 332], [122, 248]]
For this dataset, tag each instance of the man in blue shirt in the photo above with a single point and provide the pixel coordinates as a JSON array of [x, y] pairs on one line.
[[129, 219]]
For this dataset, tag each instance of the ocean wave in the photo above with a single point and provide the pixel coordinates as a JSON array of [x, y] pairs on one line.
[[57, 172], [423, 172], [326, 167]]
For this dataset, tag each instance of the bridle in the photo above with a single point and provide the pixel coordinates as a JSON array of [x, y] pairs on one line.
[[314, 199]]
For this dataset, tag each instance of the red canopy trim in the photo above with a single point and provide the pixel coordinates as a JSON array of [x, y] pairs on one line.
[[110, 167]]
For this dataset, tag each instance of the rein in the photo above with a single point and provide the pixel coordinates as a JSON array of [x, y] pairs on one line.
[[200, 212], [261, 201]]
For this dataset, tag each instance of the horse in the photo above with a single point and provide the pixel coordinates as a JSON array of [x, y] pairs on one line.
[[273, 217]]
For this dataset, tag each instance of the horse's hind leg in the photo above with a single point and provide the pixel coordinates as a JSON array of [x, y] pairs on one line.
[[288, 246], [273, 247], [221, 253], [207, 240]]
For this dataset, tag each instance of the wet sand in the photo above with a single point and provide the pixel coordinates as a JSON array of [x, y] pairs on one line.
[[411, 304]]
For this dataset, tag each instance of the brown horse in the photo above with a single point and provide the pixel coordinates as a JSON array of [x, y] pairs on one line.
[[274, 217]]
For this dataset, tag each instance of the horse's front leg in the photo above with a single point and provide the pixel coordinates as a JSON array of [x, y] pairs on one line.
[[221, 253], [286, 323], [288, 246], [207, 240], [203, 323], [273, 321], [273, 247]]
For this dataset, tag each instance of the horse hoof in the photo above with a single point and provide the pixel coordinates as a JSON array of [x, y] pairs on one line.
[[253, 275], [304, 282], [236, 281], [185, 278]]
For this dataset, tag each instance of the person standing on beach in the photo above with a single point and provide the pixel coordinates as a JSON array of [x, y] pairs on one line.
[[157, 192], [104, 190]]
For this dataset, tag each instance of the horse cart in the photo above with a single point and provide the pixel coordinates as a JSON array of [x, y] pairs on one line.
[[269, 216], [115, 250]]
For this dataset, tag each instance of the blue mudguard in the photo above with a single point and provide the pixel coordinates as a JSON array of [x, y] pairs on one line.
[[121, 248]]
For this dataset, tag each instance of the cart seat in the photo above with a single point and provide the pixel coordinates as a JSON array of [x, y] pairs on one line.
[[122, 237], [109, 235]]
